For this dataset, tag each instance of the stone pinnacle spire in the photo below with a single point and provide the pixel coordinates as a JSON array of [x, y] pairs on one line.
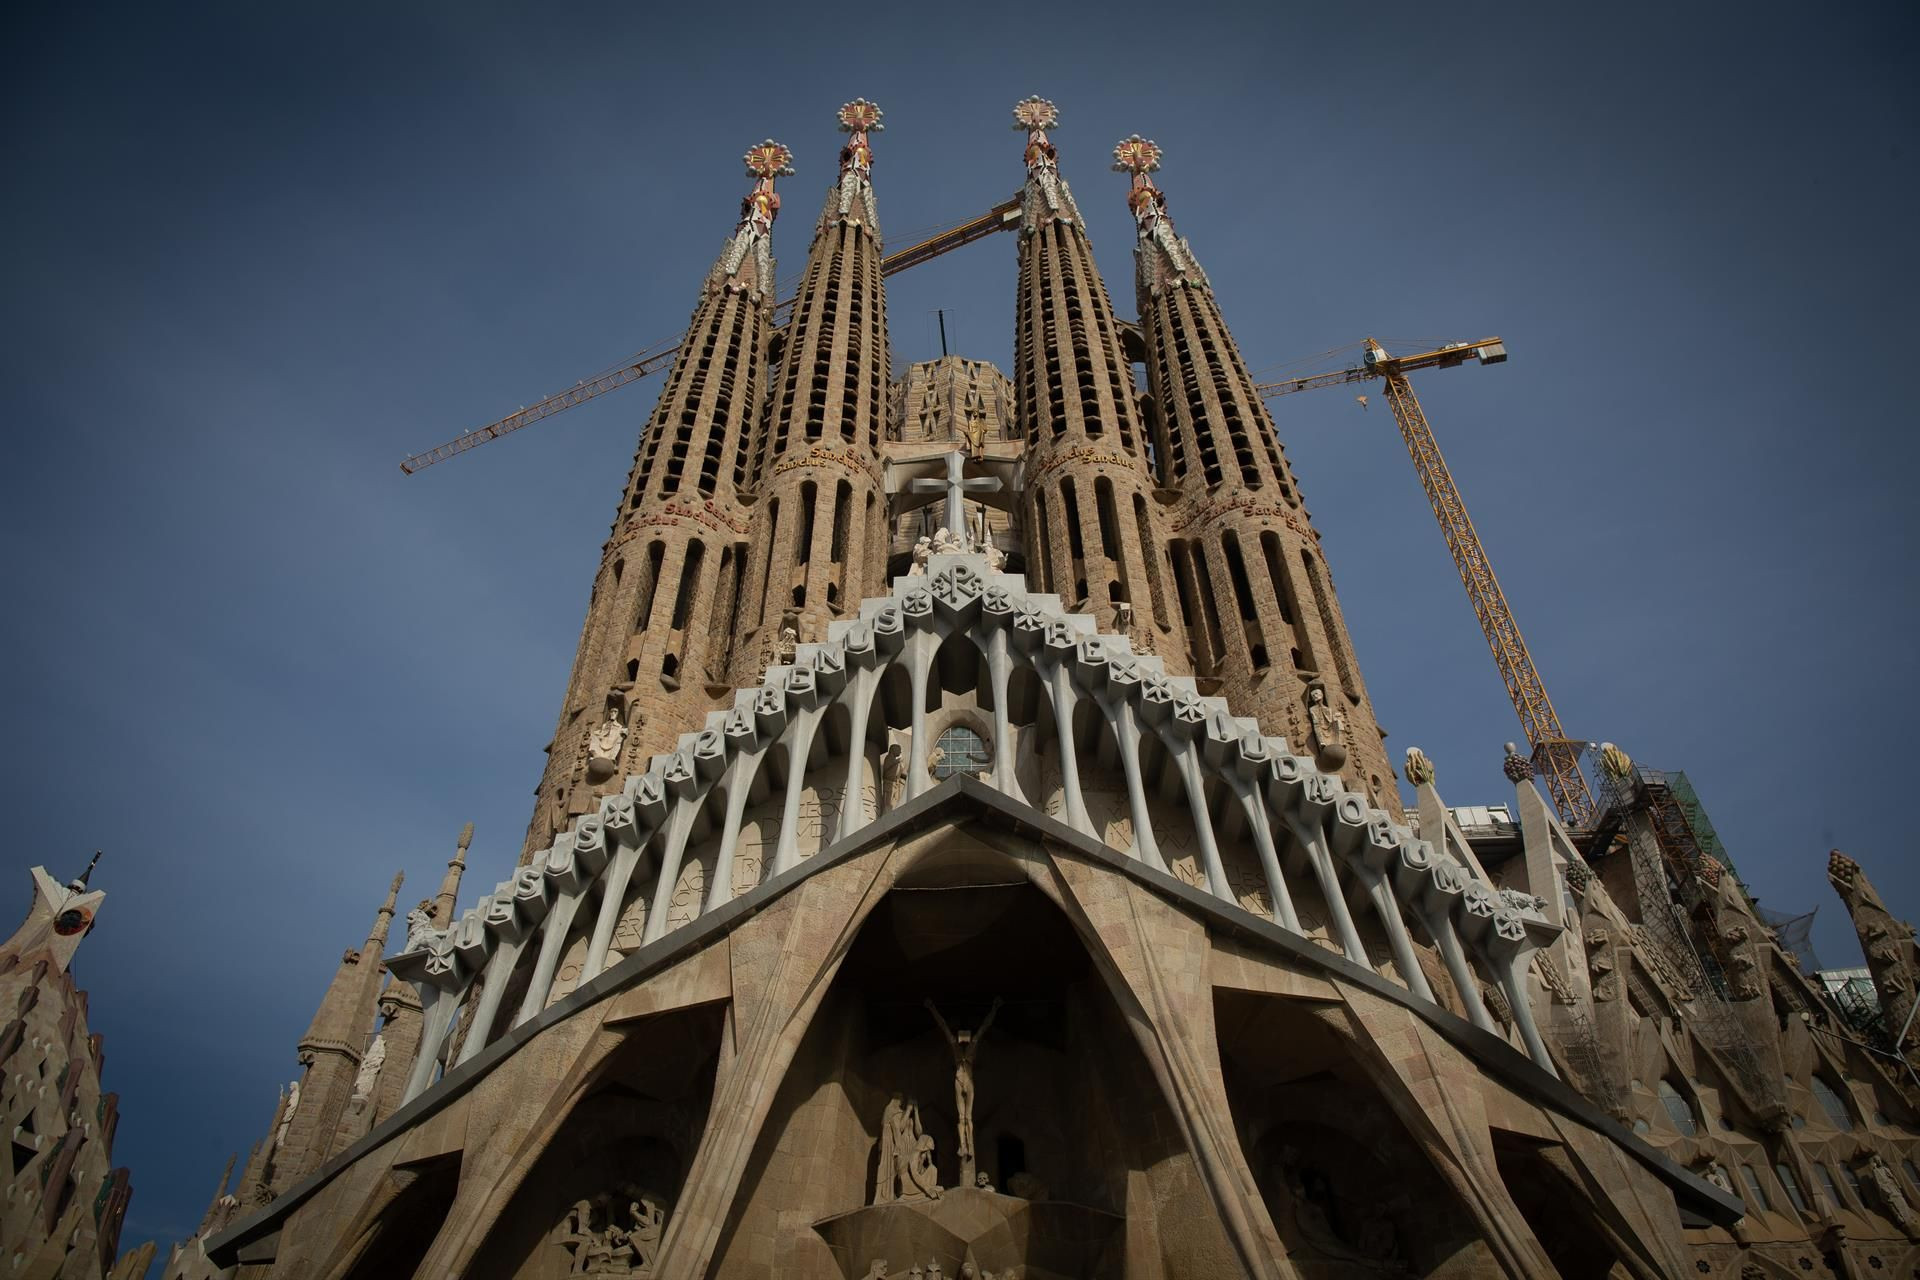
[[815, 475], [1163, 259], [377, 937], [1045, 197], [1888, 942], [1255, 593], [444, 905], [746, 263]]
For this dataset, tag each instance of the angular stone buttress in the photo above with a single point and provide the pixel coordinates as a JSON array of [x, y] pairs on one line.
[[973, 935]]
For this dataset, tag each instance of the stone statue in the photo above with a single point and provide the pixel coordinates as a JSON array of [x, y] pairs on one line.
[[877, 1271], [965, 1046], [933, 1269], [1892, 1199], [948, 543], [369, 1070], [921, 1178], [286, 1117], [981, 1182], [604, 743], [904, 1170], [1123, 618], [1329, 729], [1419, 767], [613, 1252], [996, 558], [788, 642], [886, 1172], [922, 548], [893, 773], [649, 1223], [976, 435], [419, 925]]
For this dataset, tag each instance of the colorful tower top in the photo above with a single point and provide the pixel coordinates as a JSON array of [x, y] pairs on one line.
[[853, 201], [1164, 259], [752, 241], [1045, 197]]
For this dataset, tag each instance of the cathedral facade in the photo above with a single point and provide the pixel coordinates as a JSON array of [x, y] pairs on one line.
[[968, 848]]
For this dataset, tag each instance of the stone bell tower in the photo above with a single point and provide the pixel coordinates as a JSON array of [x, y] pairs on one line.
[[1097, 533], [1255, 593], [658, 639], [820, 537]]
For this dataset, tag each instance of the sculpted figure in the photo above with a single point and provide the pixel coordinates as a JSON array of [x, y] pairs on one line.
[[886, 1173], [893, 773], [419, 924], [948, 543], [965, 1046], [996, 558], [921, 550], [877, 1271], [1892, 1198], [604, 743], [981, 1181], [286, 1118], [579, 1239], [649, 1222], [369, 1070], [1329, 729], [1123, 617]]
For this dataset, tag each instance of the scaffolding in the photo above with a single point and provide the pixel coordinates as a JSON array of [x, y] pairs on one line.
[[1667, 880]]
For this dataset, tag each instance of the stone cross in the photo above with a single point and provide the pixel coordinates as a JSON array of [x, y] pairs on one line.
[[956, 486]]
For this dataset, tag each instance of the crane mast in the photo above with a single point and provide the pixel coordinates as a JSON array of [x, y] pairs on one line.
[[1555, 756]]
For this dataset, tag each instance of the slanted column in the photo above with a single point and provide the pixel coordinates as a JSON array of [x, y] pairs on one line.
[[922, 645], [739, 780], [1313, 838], [1060, 685], [1126, 731], [1283, 911], [1000, 671], [1188, 756]]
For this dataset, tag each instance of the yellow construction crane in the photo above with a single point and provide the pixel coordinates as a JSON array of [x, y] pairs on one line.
[[1555, 756], [657, 357]]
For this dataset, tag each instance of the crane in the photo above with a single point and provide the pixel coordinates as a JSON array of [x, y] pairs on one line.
[[651, 360], [1555, 756]]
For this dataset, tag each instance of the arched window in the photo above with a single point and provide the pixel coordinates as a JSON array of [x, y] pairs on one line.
[[960, 750], [1679, 1110], [1792, 1184], [1756, 1195], [1831, 1103]]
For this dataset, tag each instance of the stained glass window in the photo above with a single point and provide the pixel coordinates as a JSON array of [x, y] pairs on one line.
[[960, 750], [1679, 1110]]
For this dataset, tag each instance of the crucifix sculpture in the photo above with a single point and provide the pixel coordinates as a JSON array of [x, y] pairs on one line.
[[956, 485], [965, 1045]]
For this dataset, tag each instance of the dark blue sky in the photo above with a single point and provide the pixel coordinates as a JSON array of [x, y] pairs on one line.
[[258, 253]]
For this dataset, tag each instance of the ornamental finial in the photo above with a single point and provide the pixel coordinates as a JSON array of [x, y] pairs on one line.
[[1034, 114], [1516, 766], [1615, 762], [769, 160], [1136, 155], [1419, 767], [860, 116]]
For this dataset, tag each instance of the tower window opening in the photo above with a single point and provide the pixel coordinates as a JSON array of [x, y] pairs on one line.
[[1150, 555], [1109, 521], [1070, 505], [643, 610], [1209, 605], [1755, 1192], [772, 545], [1243, 595], [689, 578]]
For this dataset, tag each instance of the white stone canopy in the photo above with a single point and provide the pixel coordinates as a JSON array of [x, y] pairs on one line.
[[1299, 821]]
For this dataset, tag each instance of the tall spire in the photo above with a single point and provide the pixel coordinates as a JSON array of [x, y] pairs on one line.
[[1045, 197], [1888, 942], [660, 629], [1164, 260], [1096, 537], [815, 470], [445, 905], [331, 1052], [60, 917], [1255, 594]]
